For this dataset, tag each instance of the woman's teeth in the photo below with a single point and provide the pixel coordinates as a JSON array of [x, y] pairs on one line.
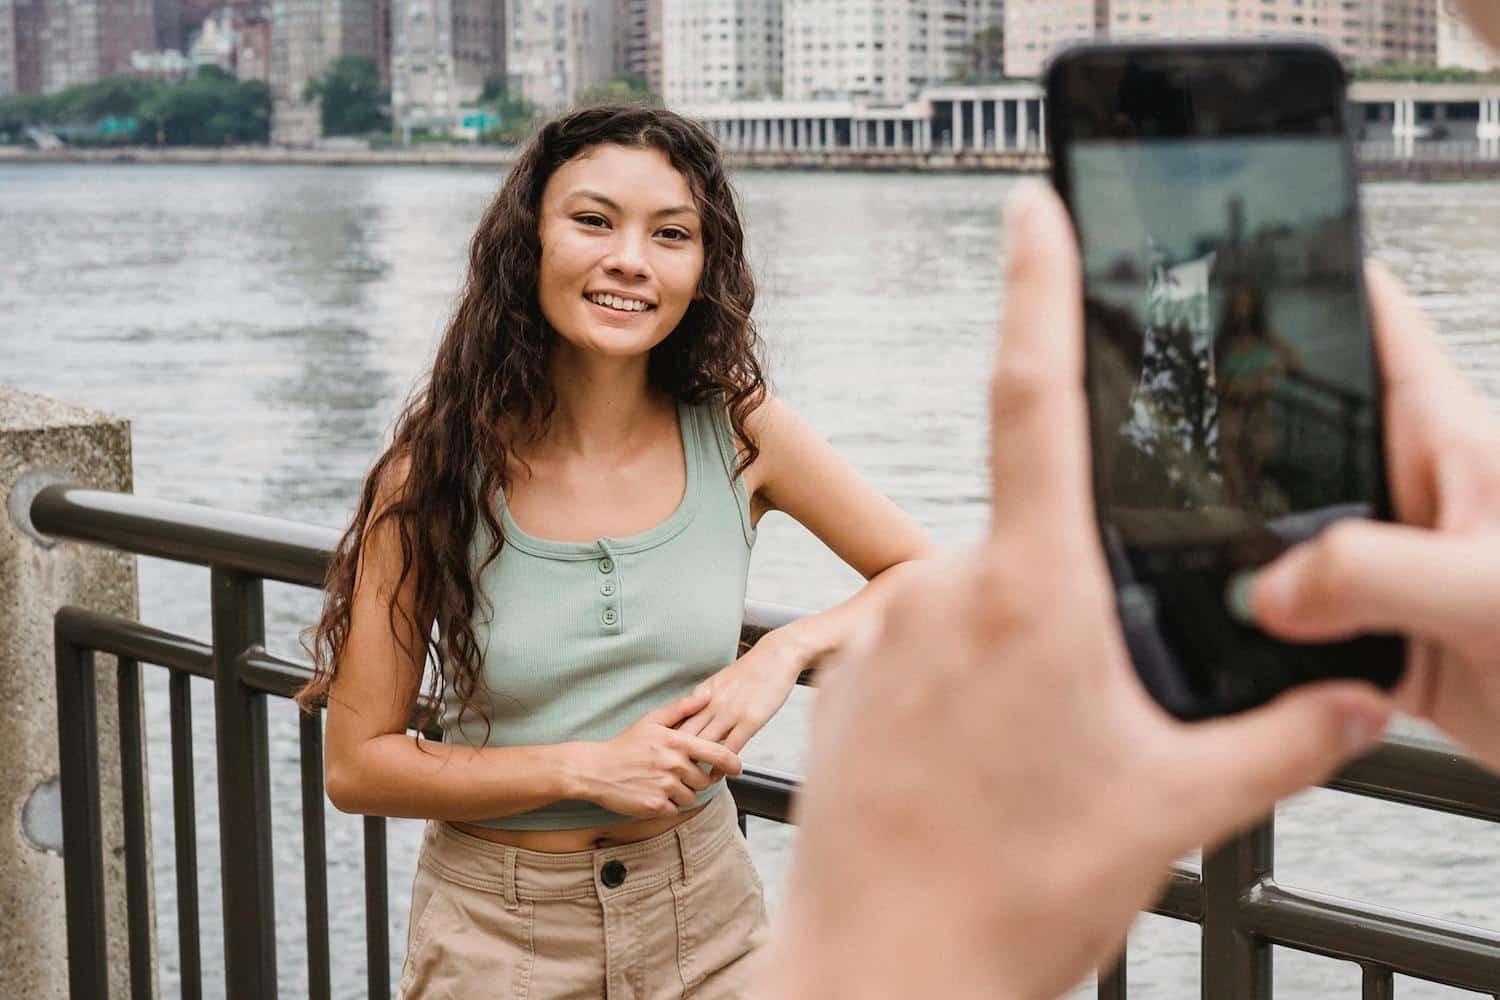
[[615, 302]]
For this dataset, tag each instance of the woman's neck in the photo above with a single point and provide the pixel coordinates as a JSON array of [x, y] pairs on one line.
[[605, 406]]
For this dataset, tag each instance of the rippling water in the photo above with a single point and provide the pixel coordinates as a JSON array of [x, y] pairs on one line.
[[259, 327]]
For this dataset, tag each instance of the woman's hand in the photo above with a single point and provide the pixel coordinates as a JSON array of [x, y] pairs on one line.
[[651, 769], [742, 697], [1436, 576]]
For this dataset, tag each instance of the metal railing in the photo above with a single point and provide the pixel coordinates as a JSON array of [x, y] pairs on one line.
[[1233, 896]]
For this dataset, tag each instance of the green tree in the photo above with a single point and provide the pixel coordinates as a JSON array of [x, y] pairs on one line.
[[983, 57], [518, 116], [1420, 73], [627, 88], [20, 111], [111, 97], [352, 101], [210, 109]]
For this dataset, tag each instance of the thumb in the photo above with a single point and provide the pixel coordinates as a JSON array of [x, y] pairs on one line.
[[1362, 576], [674, 712], [1238, 767]]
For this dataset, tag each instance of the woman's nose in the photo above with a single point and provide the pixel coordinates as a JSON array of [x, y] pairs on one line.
[[627, 256]]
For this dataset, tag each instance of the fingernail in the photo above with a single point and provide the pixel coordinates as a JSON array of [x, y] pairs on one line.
[[1239, 596], [1023, 198]]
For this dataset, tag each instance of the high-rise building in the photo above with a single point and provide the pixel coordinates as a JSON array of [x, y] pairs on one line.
[[48, 45], [883, 49], [1362, 31], [721, 50], [1458, 45], [638, 37], [442, 52], [558, 49], [307, 35]]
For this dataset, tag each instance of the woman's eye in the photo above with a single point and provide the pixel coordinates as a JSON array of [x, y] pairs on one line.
[[673, 233], [595, 221]]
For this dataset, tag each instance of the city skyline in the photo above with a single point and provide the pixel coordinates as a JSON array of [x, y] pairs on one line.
[[436, 56]]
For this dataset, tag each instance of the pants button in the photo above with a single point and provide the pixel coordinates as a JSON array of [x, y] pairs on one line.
[[613, 874]]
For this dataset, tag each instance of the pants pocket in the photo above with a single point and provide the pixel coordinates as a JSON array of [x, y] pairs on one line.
[[723, 924], [467, 943]]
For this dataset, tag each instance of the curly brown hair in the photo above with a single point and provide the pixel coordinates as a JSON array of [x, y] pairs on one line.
[[449, 448]]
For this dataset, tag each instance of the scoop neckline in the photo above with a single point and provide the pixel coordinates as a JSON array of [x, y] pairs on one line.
[[679, 519]]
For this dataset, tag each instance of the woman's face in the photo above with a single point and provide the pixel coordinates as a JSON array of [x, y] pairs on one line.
[[622, 250]]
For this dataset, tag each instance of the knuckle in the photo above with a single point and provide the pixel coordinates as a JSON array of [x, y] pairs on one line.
[[1018, 386], [1338, 552]]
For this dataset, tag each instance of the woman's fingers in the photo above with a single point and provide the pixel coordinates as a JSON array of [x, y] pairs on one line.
[[671, 714], [710, 753]]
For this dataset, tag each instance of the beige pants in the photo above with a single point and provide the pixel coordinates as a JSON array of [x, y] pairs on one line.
[[679, 915]]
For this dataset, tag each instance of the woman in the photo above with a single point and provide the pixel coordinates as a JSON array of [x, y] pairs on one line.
[[562, 525], [1252, 361]]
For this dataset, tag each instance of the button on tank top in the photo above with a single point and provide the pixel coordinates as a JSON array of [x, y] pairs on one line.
[[579, 640]]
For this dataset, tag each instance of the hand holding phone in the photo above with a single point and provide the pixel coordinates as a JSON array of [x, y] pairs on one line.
[[1233, 391]]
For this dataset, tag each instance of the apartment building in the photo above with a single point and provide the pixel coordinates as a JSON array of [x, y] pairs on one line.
[[721, 50], [557, 49], [638, 39], [307, 35], [48, 45], [442, 52], [885, 50], [1458, 46], [1362, 31]]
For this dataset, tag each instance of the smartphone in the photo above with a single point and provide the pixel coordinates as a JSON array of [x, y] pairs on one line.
[[1234, 393]]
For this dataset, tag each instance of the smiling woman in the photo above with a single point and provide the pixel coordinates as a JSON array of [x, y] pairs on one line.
[[562, 529]]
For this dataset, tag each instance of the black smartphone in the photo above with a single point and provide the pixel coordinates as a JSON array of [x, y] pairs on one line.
[[1234, 393]]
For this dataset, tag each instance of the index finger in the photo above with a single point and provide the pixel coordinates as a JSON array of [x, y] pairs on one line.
[[1039, 445], [707, 752], [1411, 358]]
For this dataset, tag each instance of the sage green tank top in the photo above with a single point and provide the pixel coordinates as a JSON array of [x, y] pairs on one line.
[[582, 639]]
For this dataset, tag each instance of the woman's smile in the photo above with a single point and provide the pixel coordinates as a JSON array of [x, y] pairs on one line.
[[617, 306]]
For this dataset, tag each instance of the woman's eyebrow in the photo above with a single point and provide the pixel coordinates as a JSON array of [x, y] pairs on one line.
[[614, 206]]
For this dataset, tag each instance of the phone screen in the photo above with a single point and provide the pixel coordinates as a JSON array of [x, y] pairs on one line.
[[1233, 390]]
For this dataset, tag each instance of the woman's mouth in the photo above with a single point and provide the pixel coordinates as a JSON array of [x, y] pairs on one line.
[[618, 303]]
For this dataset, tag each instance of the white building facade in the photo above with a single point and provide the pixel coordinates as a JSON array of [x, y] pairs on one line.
[[721, 50], [558, 49], [885, 50], [1458, 45]]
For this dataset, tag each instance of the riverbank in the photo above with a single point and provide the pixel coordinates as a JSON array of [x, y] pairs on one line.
[[1422, 167]]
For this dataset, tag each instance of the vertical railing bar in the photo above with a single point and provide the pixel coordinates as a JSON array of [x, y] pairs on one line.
[[83, 849], [377, 910], [1112, 980], [185, 830], [237, 607], [133, 802], [315, 858], [1236, 964], [1379, 984]]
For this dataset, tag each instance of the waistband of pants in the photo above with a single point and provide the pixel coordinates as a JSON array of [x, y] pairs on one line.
[[518, 874]]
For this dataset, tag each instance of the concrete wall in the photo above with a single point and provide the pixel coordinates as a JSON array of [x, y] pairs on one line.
[[41, 441]]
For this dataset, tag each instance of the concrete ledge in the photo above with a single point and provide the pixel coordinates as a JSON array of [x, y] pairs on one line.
[[44, 440]]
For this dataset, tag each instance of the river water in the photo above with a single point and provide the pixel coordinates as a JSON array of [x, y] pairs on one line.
[[259, 327]]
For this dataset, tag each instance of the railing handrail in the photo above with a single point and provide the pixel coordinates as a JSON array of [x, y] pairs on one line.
[[273, 548], [1233, 896]]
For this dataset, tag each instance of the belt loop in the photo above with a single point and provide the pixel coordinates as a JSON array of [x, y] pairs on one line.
[[508, 877], [682, 849]]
